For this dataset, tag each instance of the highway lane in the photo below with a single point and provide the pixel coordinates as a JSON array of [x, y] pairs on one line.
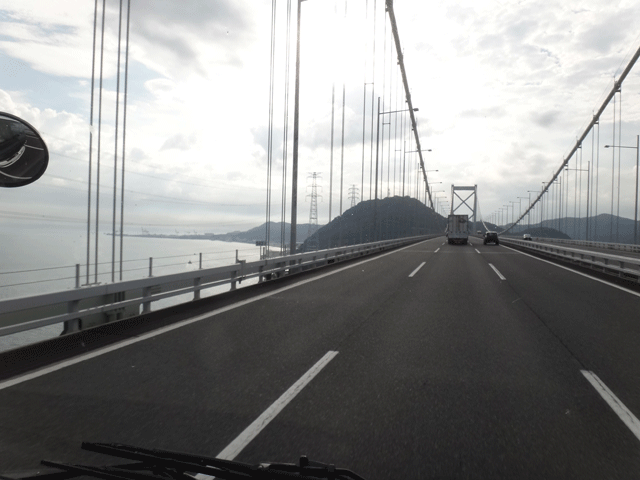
[[600, 326], [489, 391], [198, 387]]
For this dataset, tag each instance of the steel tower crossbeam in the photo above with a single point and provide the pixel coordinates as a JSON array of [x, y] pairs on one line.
[[474, 194]]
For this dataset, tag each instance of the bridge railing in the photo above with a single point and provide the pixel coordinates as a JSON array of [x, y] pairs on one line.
[[621, 266], [625, 247], [88, 306]]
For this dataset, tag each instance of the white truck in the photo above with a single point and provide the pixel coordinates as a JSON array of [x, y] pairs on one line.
[[458, 229]]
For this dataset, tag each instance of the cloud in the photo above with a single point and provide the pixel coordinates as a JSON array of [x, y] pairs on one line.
[[491, 112], [196, 27], [502, 87], [600, 37], [546, 119], [180, 142]]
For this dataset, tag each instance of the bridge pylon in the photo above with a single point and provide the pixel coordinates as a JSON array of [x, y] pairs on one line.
[[465, 202]]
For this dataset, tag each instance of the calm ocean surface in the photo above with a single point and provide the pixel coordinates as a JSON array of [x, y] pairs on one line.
[[42, 259]]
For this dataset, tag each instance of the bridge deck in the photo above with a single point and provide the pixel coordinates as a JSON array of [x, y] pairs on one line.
[[451, 371]]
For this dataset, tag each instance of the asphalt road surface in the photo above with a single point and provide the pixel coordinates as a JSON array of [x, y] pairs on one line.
[[432, 361]]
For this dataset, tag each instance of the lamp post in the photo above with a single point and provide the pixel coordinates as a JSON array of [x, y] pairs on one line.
[[530, 192], [426, 189], [507, 216], [404, 161], [586, 235], [513, 212], [296, 119], [520, 208], [437, 199], [375, 202], [542, 200], [635, 214], [378, 142], [550, 201]]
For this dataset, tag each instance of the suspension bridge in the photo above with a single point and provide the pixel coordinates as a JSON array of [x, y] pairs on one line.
[[399, 355]]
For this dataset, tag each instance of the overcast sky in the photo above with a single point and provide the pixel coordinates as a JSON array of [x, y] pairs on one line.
[[503, 90]]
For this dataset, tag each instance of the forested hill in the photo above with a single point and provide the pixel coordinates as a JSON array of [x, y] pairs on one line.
[[395, 217]]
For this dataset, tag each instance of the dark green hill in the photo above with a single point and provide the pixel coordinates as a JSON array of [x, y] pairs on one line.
[[544, 232], [395, 217]]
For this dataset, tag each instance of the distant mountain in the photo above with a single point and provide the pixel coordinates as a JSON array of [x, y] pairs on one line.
[[259, 234], [534, 231], [395, 217], [602, 228], [544, 232]]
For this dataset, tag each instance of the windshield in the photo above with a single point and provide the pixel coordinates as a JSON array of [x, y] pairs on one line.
[[267, 229]]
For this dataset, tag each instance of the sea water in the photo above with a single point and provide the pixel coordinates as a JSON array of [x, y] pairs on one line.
[[42, 259]]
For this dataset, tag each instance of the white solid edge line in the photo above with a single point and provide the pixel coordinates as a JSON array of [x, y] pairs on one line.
[[497, 272], [416, 270], [577, 273], [232, 450], [614, 402], [101, 351], [437, 250]]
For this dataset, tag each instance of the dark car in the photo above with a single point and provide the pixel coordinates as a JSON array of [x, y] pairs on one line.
[[491, 237]]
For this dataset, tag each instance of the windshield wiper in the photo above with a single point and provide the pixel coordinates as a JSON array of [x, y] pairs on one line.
[[154, 464]]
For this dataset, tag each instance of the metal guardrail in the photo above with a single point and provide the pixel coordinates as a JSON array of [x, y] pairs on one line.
[[621, 266], [625, 247], [89, 306]]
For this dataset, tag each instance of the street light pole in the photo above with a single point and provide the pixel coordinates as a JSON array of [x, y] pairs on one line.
[[377, 150], [296, 121], [404, 161], [530, 192], [635, 212], [635, 215], [404, 155], [513, 212], [580, 199]]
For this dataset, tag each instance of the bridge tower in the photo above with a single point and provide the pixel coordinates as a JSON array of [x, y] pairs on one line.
[[312, 242], [465, 202]]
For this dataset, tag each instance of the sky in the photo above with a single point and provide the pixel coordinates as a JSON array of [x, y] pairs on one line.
[[503, 89]]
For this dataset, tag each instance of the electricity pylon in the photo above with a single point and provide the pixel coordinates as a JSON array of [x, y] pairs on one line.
[[353, 195], [312, 241]]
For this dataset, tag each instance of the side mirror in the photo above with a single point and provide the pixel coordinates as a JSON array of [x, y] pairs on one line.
[[23, 154]]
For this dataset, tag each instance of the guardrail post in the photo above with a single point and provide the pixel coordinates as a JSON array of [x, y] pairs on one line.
[[146, 305], [77, 275], [71, 326], [235, 274], [196, 284], [150, 266], [200, 266]]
